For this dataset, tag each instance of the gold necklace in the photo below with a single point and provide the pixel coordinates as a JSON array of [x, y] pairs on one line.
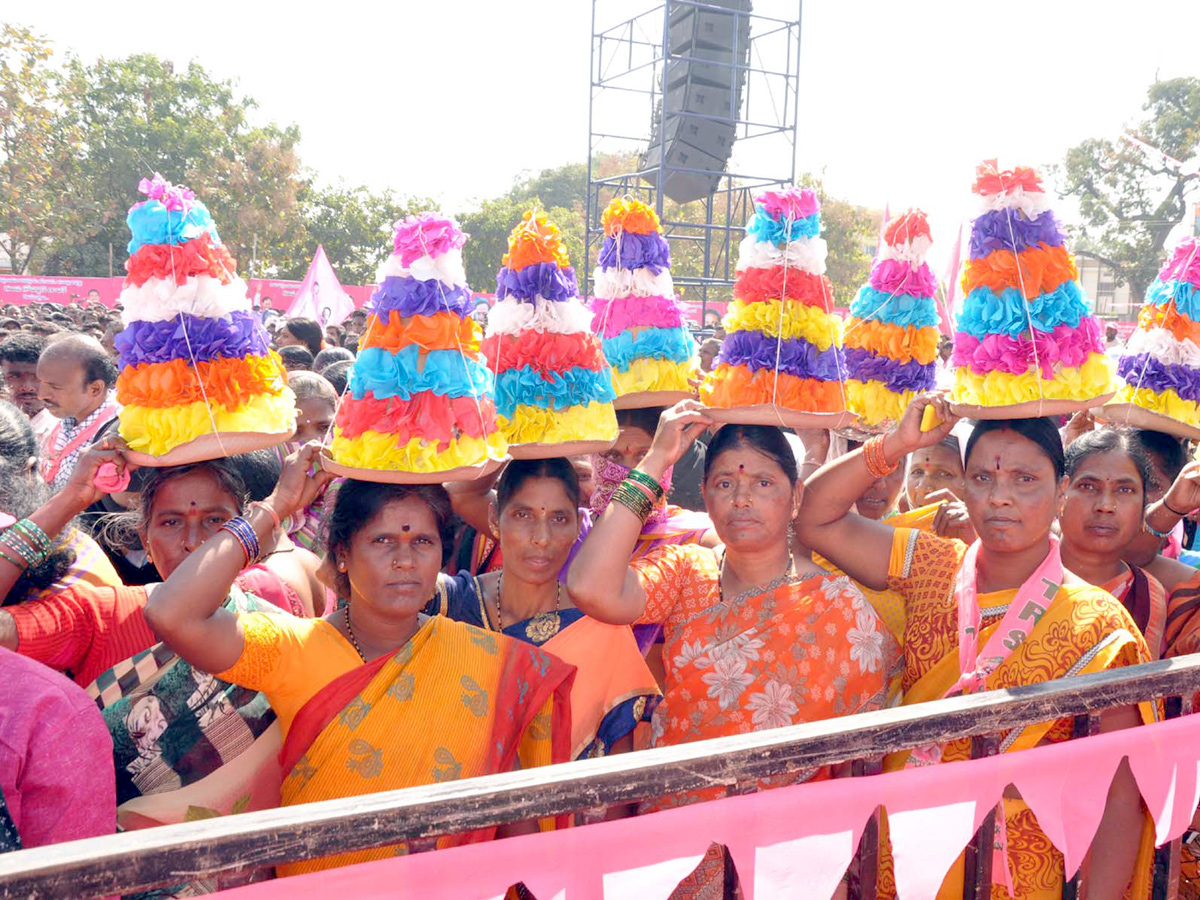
[[769, 587], [500, 584]]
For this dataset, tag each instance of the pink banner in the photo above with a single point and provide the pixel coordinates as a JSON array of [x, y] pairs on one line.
[[280, 295], [798, 841], [21, 290]]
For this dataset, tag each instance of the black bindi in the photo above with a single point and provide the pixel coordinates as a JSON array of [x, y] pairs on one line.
[[406, 528]]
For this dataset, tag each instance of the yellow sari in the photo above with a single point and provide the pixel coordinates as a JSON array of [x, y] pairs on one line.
[[1084, 630], [455, 702]]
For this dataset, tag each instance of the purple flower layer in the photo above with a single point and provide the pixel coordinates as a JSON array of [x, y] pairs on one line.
[[547, 279], [895, 276], [899, 377], [991, 232], [233, 336], [1142, 371], [412, 297], [649, 251], [796, 356]]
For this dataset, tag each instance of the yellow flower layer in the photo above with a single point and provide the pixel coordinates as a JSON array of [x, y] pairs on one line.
[[379, 451], [649, 374], [1093, 379], [157, 431], [872, 402], [540, 425], [799, 321], [1168, 403]]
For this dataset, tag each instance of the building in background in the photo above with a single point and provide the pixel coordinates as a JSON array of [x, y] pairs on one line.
[[1110, 299]]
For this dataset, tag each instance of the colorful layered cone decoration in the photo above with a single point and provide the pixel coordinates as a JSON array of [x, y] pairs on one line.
[[1027, 342], [646, 338], [198, 379], [554, 393], [781, 361], [891, 341], [1161, 364], [419, 406]]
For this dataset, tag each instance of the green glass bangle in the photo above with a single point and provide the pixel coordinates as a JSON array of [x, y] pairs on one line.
[[642, 478], [4, 555], [38, 538]]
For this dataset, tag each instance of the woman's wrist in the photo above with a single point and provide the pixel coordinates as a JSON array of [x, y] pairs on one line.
[[654, 465], [894, 447]]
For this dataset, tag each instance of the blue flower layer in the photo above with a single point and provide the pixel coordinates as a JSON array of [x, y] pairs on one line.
[[556, 390], [1003, 229], [866, 365], [795, 356], [192, 337], [985, 313], [1184, 293], [675, 344], [152, 223], [445, 372], [766, 227], [547, 279], [637, 251], [901, 309], [413, 297]]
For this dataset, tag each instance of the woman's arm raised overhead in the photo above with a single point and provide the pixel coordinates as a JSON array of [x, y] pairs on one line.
[[858, 546], [600, 581]]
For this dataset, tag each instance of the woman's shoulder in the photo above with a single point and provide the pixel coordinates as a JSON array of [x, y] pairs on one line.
[[458, 597], [681, 560]]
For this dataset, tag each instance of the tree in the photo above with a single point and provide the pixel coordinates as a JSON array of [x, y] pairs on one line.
[[139, 116], [42, 197], [1130, 196]]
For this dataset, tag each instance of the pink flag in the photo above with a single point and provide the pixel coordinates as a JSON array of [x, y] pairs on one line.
[[946, 310], [883, 227], [321, 296]]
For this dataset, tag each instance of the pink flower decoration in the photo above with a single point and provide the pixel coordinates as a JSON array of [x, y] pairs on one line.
[[172, 196], [611, 317], [427, 234], [7, 521], [1002, 353], [1184, 262], [895, 276], [794, 203]]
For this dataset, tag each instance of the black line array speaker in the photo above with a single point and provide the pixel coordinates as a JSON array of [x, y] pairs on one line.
[[702, 94]]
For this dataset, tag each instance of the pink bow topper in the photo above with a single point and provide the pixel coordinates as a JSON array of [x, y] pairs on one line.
[[110, 479], [172, 196], [7, 521]]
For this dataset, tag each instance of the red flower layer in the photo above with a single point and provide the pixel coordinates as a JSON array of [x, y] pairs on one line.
[[425, 415], [544, 351], [196, 257], [754, 285]]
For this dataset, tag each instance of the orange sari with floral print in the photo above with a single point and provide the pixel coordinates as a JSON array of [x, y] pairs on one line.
[[799, 650], [1084, 630]]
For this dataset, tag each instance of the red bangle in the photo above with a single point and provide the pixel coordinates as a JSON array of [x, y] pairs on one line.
[[259, 504], [876, 459]]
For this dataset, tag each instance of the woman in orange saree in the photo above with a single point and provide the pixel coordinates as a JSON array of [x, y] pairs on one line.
[[756, 637], [1035, 621], [375, 695]]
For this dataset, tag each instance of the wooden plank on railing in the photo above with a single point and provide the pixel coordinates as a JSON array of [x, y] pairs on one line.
[[173, 853]]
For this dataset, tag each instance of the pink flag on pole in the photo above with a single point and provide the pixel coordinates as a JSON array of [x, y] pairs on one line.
[[946, 310], [321, 296]]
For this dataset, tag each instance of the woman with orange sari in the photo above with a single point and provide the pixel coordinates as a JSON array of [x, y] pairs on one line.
[[536, 515], [756, 637], [373, 696], [1014, 490]]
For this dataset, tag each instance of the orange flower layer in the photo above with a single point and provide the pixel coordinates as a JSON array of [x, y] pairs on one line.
[[628, 214], [728, 386], [893, 341], [441, 331], [535, 240], [1169, 317], [1041, 270], [227, 382]]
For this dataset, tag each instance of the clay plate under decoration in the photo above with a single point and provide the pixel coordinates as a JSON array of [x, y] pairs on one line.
[[211, 446], [772, 414], [1031, 409], [643, 399], [1133, 416], [387, 476]]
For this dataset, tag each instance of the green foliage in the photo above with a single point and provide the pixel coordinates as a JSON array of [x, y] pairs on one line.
[[1129, 198], [43, 197]]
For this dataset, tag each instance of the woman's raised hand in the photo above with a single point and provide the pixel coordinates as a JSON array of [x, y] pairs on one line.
[[1183, 497], [81, 490], [300, 482], [908, 436], [677, 428]]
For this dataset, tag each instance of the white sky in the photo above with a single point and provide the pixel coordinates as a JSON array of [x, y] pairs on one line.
[[454, 98]]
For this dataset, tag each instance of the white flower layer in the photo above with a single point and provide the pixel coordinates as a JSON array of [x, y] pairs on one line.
[[1032, 203], [617, 284], [446, 268], [160, 299], [807, 254], [913, 251], [1164, 346], [513, 316]]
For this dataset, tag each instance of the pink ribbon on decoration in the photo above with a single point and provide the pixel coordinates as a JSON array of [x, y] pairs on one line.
[[110, 479]]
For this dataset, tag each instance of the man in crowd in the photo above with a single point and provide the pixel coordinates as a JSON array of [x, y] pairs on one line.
[[76, 376], [18, 364]]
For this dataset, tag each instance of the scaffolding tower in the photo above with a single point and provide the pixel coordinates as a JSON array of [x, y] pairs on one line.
[[631, 120]]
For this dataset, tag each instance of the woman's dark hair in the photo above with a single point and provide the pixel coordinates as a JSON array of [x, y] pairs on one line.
[[337, 373], [1110, 440], [1166, 449], [311, 386], [645, 418], [22, 492], [308, 331], [1042, 432], [766, 439], [519, 471], [295, 358], [358, 502], [329, 356]]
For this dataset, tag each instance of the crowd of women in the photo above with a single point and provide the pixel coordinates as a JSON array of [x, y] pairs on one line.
[[822, 579]]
